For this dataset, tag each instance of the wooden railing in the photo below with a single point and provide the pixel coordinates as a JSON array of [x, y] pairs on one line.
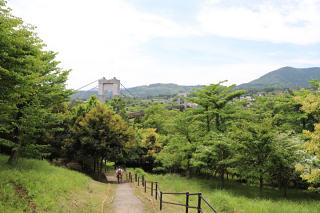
[[156, 192]]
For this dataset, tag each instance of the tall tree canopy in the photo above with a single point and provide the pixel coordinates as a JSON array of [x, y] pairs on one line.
[[212, 101], [101, 135], [32, 87], [311, 169]]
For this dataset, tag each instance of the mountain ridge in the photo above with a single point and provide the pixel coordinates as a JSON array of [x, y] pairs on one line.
[[282, 78], [285, 77]]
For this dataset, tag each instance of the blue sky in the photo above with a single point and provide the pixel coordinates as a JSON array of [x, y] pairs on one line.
[[187, 42]]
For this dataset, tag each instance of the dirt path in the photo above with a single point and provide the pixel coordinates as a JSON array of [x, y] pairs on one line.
[[125, 200]]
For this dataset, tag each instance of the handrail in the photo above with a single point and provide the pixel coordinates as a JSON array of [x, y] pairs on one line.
[[159, 194], [208, 204], [179, 204], [174, 193]]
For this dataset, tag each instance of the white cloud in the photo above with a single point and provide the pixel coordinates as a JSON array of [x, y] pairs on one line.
[[103, 38], [304, 61], [292, 21], [97, 38]]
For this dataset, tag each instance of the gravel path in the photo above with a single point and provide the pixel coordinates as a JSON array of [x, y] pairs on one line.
[[126, 201]]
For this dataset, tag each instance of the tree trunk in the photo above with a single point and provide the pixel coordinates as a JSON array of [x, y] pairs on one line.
[[13, 157], [94, 166], [217, 122], [285, 189], [208, 119], [222, 179], [261, 185], [100, 172]]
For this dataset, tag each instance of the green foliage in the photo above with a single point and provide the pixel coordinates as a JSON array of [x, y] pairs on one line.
[[139, 172], [159, 118], [176, 155], [119, 106], [214, 155], [212, 101], [32, 86], [150, 146], [255, 145], [310, 102], [101, 135], [286, 155]]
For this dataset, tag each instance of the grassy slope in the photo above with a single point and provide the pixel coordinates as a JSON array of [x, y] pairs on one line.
[[237, 197], [52, 189]]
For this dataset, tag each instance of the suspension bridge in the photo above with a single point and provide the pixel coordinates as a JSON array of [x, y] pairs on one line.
[[118, 89], [104, 85]]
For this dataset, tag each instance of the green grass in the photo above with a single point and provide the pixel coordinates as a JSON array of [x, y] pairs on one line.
[[237, 198], [48, 186]]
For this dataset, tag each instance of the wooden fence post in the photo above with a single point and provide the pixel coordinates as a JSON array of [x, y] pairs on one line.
[[160, 200], [187, 202], [156, 190], [151, 189], [142, 180], [135, 177], [145, 186], [138, 181], [199, 202]]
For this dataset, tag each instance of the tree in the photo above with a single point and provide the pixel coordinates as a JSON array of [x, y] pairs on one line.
[[150, 146], [119, 106], [255, 145], [310, 103], [159, 118], [32, 87], [102, 135], [310, 170], [176, 155], [212, 101], [287, 153], [214, 155]]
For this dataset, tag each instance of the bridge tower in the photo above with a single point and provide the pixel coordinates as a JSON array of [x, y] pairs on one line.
[[112, 85], [183, 95]]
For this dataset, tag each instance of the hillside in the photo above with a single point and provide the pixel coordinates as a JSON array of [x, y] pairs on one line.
[[160, 89], [143, 91], [285, 77], [37, 186], [234, 197]]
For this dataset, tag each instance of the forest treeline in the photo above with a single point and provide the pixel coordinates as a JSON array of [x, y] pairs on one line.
[[269, 140]]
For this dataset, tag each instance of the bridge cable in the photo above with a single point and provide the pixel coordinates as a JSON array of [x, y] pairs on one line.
[[87, 85], [127, 90]]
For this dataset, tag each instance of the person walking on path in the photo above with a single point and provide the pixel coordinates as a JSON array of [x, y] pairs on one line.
[[119, 174]]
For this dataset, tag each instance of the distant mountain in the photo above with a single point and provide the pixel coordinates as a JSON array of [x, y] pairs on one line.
[[286, 77], [82, 94], [143, 91], [160, 89]]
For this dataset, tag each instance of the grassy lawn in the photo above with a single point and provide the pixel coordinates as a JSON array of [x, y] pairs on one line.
[[49, 188], [235, 198]]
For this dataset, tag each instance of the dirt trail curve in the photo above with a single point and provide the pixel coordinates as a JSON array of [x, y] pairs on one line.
[[125, 200]]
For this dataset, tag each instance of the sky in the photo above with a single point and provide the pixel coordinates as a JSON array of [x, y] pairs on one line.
[[188, 42]]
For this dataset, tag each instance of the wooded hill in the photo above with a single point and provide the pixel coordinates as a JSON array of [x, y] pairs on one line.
[[285, 77]]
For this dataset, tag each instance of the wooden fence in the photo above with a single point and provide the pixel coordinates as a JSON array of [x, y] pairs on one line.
[[156, 192]]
